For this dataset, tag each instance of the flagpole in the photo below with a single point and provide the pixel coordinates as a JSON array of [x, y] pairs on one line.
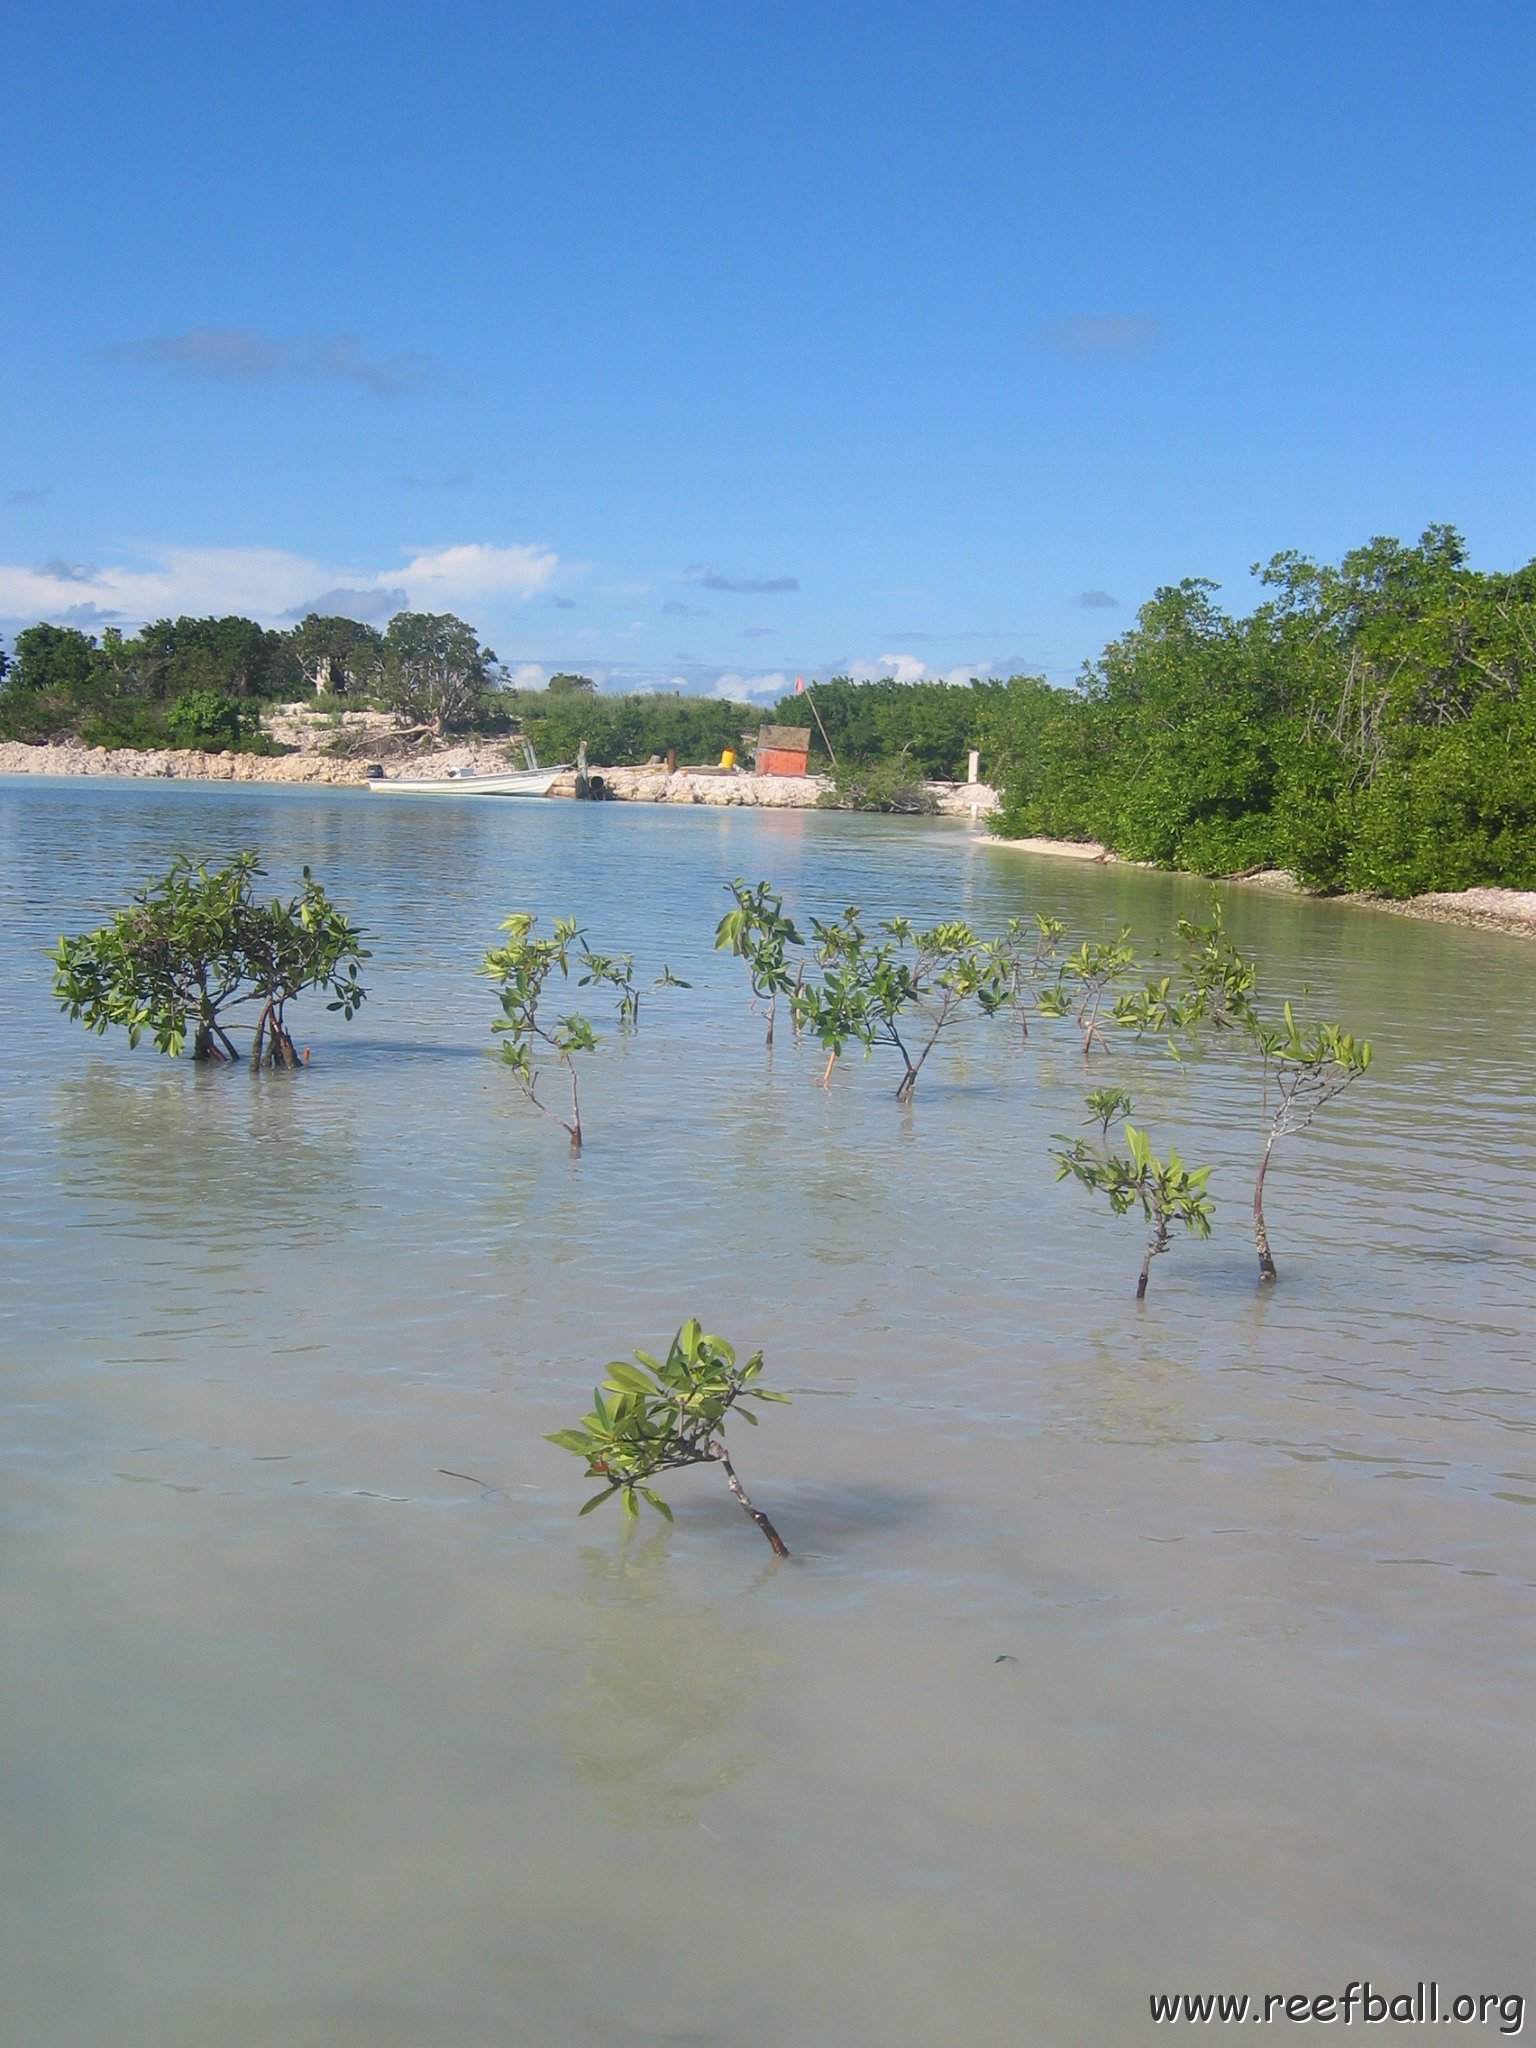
[[806, 690]]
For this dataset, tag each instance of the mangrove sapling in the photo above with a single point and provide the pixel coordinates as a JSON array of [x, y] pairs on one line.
[[521, 969], [953, 970], [1095, 967], [197, 943], [1166, 1190], [760, 935], [617, 970], [1215, 992], [870, 989], [1220, 980], [662, 1415], [289, 947], [1028, 949], [1302, 1071]]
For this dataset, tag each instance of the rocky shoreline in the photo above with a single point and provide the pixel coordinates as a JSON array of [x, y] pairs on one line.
[[1502, 910], [736, 787], [733, 787], [174, 764]]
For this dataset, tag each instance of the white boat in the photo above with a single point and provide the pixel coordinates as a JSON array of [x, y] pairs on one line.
[[530, 781]]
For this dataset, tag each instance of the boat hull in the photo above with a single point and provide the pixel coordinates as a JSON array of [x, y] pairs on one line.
[[538, 783]]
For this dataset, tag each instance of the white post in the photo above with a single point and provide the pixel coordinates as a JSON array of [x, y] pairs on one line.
[[975, 773]]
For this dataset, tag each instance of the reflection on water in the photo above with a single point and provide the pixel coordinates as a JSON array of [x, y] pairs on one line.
[[308, 1740], [211, 1157], [664, 1682]]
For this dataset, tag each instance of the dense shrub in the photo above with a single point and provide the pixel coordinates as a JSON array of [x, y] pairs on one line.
[[931, 726], [1370, 726], [622, 732]]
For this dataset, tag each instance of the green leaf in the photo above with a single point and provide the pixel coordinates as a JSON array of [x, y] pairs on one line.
[[657, 1502], [629, 1379], [576, 1440], [597, 1500]]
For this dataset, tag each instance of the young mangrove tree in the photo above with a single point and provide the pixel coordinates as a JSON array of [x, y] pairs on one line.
[[197, 944], [902, 988], [1302, 1071], [760, 936], [1165, 1190], [521, 970], [662, 1415]]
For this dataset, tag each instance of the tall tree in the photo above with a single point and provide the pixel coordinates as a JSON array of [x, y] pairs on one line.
[[54, 660], [434, 670], [335, 653]]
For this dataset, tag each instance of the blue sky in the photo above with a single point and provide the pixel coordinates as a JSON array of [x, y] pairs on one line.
[[694, 346]]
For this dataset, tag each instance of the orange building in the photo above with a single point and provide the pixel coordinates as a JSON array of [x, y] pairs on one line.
[[783, 749]]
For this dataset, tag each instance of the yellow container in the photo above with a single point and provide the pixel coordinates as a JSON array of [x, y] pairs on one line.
[[728, 758]]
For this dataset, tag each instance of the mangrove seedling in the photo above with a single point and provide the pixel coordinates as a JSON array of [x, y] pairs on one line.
[[1157, 1010], [661, 1415], [1221, 980], [760, 935], [521, 969], [1094, 967], [837, 1009], [1104, 1105], [667, 979], [1165, 1190], [195, 945], [1302, 1071], [1215, 992], [871, 993], [617, 970], [1028, 948]]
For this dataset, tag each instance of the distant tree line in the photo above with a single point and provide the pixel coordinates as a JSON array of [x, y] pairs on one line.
[[925, 729], [203, 682], [628, 731], [1368, 726]]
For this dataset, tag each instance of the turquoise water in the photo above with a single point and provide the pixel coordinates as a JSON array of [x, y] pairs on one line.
[[326, 1721]]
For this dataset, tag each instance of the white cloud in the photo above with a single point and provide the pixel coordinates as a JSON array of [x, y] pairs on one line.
[[750, 689], [472, 569], [911, 668], [270, 583], [527, 675]]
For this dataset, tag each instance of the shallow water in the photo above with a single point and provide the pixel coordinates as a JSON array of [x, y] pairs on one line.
[[1119, 1651]]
